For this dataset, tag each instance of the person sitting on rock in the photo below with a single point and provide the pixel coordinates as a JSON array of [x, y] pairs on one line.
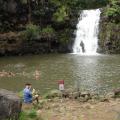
[[27, 94]]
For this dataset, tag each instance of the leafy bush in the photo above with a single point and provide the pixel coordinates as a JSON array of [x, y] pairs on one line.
[[113, 9], [47, 31], [64, 37], [52, 94], [23, 116], [61, 14], [56, 2], [32, 113], [32, 31]]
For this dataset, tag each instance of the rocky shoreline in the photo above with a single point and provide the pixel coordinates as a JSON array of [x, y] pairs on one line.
[[83, 96], [77, 105], [66, 102]]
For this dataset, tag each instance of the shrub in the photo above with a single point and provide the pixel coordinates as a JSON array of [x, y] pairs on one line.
[[32, 31], [61, 14], [23, 116], [55, 2], [27, 115], [52, 94], [32, 113], [20, 94], [48, 31], [64, 37], [113, 9]]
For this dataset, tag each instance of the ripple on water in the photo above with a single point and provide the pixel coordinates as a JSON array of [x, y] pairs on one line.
[[94, 73]]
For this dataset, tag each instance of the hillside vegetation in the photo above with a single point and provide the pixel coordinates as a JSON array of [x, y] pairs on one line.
[[42, 26]]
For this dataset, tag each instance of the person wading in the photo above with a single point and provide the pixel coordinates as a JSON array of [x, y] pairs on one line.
[[82, 46]]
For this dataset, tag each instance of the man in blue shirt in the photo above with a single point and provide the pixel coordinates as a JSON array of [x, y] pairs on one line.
[[27, 94]]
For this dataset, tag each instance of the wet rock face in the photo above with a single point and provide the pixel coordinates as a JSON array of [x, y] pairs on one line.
[[12, 43], [10, 105], [14, 17], [109, 36]]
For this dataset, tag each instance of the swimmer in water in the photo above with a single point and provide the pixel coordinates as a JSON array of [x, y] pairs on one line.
[[37, 74]]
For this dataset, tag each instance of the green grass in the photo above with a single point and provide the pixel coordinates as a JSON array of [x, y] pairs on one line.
[[28, 115]]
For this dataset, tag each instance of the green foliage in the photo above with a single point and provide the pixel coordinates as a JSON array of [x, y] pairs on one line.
[[32, 31], [114, 2], [48, 31], [64, 39], [67, 8], [56, 2], [23, 116], [64, 36], [61, 14], [37, 10], [52, 94], [32, 113], [27, 115], [113, 9], [20, 94]]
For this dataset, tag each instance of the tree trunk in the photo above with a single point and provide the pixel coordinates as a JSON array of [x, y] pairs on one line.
[[29, 11]]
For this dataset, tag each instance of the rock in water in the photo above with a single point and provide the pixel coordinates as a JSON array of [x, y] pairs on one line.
[[10, 105]]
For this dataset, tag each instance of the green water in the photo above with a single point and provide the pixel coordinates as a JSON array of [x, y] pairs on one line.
[[95, 73]]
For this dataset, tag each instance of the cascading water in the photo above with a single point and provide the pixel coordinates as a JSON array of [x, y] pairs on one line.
[[86, 41]]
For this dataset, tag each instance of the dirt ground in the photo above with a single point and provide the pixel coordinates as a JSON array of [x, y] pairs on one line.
[[74, 110]]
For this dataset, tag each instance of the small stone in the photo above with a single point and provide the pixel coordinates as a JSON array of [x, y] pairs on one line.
[[83, 99], [84, 94], [110, 95], [104, 99], [76, 95]]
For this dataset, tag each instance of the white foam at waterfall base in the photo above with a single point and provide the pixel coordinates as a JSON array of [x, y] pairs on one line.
[[87, 32]]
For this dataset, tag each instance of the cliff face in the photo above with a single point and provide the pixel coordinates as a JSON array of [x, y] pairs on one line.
[[13, 43], [109, 32], [54, 22], [109, 37], [15, 15]]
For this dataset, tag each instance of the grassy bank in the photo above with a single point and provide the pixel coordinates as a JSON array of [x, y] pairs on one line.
[[54, 107]]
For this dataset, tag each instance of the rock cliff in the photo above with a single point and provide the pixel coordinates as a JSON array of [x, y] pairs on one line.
[[109, 32]]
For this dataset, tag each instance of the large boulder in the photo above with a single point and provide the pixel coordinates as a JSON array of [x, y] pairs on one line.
[[10, 105]]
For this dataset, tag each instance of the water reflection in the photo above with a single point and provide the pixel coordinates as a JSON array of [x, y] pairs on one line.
[[95, 73], [86, 72]]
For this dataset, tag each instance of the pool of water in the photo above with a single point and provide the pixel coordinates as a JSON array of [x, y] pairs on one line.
[[99, 73]]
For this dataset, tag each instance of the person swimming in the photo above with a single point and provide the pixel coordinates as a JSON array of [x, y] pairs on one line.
[[37, 74]]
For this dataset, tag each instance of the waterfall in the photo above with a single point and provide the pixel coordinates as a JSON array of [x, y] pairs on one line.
[[86, 41]]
